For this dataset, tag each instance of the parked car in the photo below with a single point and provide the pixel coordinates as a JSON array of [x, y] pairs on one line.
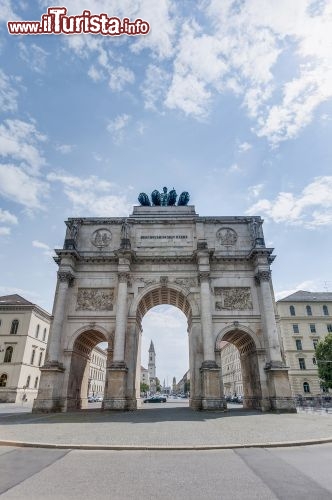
[[99, 399], [155, 399], [91, 399]]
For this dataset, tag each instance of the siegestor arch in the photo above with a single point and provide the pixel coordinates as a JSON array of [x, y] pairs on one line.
[[241, 336], [158, 295]]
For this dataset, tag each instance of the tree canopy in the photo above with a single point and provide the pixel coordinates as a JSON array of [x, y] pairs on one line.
[[324, 360]]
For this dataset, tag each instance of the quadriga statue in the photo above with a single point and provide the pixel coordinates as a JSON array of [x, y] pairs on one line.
[[164, 199]]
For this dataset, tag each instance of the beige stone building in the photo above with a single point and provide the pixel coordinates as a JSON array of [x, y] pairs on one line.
[[97, 371], [231, 370], [145, 378], [305, 318], [24, 330]]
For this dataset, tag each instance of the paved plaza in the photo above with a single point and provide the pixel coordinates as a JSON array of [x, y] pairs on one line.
[[168, 426]]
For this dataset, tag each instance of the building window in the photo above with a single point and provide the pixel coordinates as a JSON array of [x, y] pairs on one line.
[[292, 310], [329, 328], [40, 358], [296, 329], [14, 327], [315, 342], [3, 380], [324, 388], [8, 354], [44, 335], [325, 311], [32, 356], [301, 363], [314, 362], [298, 344], [37, 331], [28, 381], [306, 387], [312, 328], [36, 382], [308, 309]]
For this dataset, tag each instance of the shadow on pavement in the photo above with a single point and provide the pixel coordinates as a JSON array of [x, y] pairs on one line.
[[142, 415]]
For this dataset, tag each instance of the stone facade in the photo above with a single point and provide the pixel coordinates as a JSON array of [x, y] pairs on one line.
[[231, 370], [305, 318], [113, 270], [24, 331], [97, 372]]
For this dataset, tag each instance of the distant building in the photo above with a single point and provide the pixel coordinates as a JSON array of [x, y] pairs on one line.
[[145, 378], [231, 370], [183, 386], [97, 372], [24, 329], [305, 318]]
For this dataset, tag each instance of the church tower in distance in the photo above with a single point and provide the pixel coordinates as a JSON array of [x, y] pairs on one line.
[[152, 361]]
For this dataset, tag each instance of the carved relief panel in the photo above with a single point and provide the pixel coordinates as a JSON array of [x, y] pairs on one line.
[[233, 299], [95, 299]]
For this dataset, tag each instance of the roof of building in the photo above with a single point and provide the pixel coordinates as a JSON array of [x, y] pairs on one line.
[[14, 300], [304, 296]]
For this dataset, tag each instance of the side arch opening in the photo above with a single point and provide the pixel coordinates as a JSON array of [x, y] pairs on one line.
[[240, 368]]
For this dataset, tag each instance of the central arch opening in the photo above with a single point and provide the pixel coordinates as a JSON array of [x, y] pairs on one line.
[[164, 319]]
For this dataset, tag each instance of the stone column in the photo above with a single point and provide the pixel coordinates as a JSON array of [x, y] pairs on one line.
[[117, 371], [212, 398], [121, 319], [206, 318], [50, 393], [277, 373], [268, 316], [65, 279]]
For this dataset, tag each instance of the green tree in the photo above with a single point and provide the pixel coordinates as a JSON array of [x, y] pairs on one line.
[[158, 385], [324, 360], [144, 387]]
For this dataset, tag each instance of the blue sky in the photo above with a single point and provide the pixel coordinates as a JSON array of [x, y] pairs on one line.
[[229, 100]]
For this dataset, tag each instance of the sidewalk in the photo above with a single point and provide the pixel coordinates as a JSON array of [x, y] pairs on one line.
[[165, 427]]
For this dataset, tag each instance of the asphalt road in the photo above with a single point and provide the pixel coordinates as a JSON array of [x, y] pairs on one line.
[[280, 473]]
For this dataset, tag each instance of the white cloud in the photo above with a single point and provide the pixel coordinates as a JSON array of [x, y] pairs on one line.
[[65, 148], [119, 77], [18, 186], [254, 191], [7, 217], [155, 86], [233, 169], [39, 244], [311, 208], [309, 286], [116, 127], [92, 196], [4, 231], [6, 12], [34, 56], [95, 74], [46, 249], [245, 146], [19, 141], [8, 95]]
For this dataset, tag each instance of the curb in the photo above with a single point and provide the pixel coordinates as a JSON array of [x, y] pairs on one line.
[[281, 444]]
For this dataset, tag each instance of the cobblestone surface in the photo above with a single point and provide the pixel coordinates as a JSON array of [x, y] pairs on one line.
[[165, 426]]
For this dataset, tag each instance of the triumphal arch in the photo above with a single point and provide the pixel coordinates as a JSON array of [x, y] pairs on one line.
[[113, 270]]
